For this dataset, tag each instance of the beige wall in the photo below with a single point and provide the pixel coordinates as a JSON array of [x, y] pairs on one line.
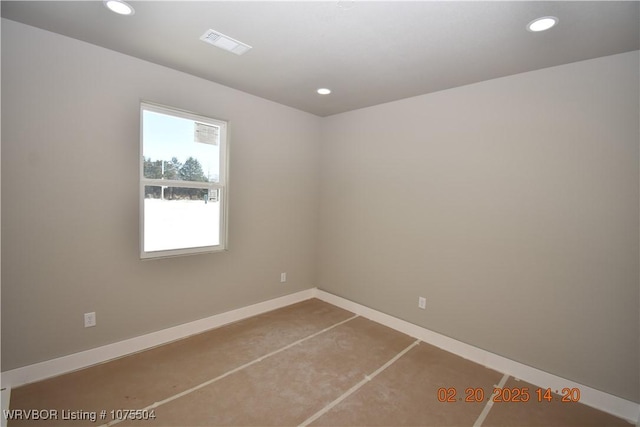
[[511, 205], [70, 145]]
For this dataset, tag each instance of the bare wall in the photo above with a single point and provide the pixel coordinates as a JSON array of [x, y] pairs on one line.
[[511, 205], [70, 141]]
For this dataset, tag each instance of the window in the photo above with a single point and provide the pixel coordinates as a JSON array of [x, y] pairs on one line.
[[183, 185]]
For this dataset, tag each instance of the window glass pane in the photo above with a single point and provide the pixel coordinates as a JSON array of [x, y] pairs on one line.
[[180, 218], [179, 148]]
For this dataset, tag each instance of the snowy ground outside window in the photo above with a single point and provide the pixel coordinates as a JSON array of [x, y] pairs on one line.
[[179, 224]]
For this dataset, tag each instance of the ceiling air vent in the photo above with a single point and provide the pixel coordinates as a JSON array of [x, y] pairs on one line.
[[224, 42]]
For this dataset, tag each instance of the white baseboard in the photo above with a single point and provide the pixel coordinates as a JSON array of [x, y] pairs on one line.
[[83, 359], [589, 396], [600, 400], [5, 397]]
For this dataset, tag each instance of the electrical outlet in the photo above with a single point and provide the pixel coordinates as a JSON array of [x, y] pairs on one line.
[[90, 319], [422, 302], [283, 277]]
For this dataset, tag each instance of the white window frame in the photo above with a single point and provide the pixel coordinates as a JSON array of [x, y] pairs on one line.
[[221, 185]]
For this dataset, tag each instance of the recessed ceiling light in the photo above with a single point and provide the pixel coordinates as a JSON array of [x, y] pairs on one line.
[[120, 7], [542, 24], [324, 91]]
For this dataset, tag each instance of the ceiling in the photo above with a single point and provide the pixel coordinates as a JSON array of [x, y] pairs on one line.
[[367, 53]]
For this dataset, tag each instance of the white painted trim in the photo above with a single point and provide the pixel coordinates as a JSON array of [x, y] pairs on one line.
[[589, 396], [221, 185], [83, 359], [598, 399], [5, 396]]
